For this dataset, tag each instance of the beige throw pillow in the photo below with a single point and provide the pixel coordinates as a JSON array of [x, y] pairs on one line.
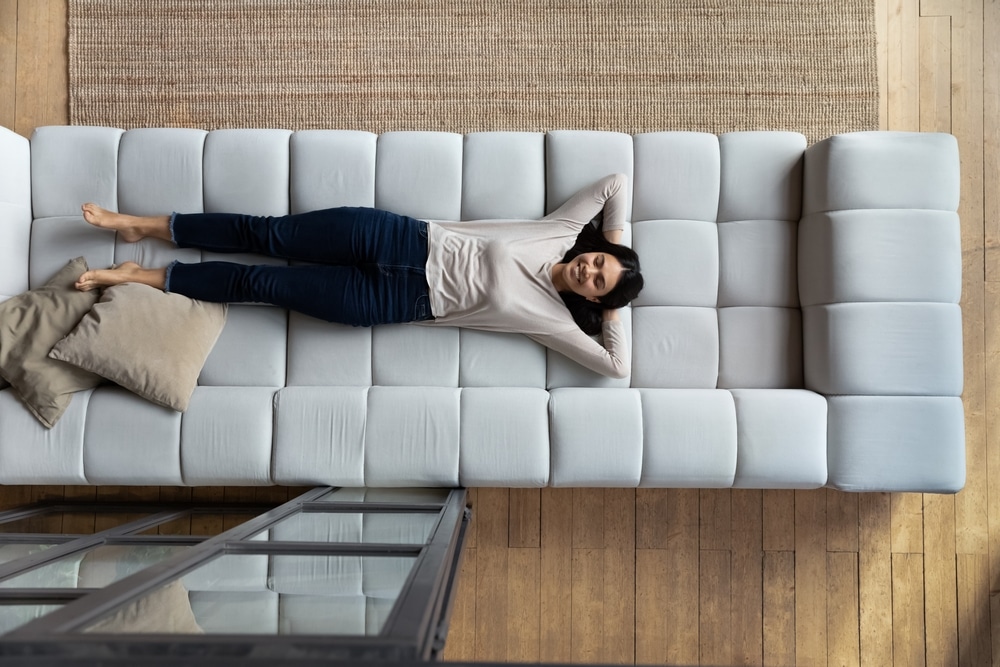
[[164, 611], [30, 324], [150, 342]]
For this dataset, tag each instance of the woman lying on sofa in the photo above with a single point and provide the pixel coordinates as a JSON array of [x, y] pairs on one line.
[[557, 280]]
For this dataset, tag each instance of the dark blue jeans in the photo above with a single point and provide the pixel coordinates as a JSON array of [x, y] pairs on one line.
[[367, 265]]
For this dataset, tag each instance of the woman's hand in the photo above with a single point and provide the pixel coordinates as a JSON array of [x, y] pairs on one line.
[[610, 315]]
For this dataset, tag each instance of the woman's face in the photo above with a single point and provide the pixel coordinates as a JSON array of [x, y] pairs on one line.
[[592, 274]]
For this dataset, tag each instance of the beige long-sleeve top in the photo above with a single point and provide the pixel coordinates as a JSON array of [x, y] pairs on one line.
[[497, 276]]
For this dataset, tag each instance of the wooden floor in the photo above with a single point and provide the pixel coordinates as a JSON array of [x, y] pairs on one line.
[[721, 577]]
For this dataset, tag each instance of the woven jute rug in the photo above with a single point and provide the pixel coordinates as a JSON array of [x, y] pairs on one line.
[[467, 65]]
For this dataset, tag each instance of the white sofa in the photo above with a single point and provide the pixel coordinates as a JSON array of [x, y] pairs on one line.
[[799, 327]]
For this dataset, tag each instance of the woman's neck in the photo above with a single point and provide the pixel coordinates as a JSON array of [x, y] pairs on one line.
[[557, 278]]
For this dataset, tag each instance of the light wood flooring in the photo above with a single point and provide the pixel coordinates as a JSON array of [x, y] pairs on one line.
[[720, 577]]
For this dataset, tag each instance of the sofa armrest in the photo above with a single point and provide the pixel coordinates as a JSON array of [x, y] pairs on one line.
[[880, 277], [15, 212]]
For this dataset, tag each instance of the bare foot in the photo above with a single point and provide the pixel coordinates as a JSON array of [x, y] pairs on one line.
[[127, 272], [130, 227], [101, 217]]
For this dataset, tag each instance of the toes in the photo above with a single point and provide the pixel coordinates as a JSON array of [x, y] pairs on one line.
[[90, 213]]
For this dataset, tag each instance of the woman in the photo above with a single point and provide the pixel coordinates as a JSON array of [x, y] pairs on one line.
[[555, 280]]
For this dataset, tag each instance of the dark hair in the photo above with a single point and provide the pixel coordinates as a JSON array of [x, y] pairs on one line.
[[587, 314]]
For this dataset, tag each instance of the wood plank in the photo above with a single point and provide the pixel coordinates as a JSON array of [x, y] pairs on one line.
[[461, 644], [747, 578], [14, 496], [105, 520], [971, 520], [991, 140], [492, 575], [42, 93], [666, 516], [907, 523], [667, 578], [935, 74], [903, 66], [619, 576], [715, 522], [843, 632], [974, 646], [523, 604], [492, 511], [8, 61], [810, 577], [940, 604], [938, 7], [993, 447], [779, 520], [649, 505], [207, 524], [491, 603], [714, 627], [619, 519], [587, 626], [472, 500], [175, 494], [239, 495], [779, 608], [875, 579], [908, 609], [619, 630], [524, 523], [79, 523], [652, 604], [882, 60], [556, 578], [588, 518], [841, 521], [264, 495]]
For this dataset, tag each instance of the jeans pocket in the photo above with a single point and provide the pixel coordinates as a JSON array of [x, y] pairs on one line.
[[422, 309]]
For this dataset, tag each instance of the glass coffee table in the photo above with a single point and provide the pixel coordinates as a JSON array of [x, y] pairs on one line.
[[335, 574]]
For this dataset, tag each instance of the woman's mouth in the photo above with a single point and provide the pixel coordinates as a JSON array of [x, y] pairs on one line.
[[578, 273]]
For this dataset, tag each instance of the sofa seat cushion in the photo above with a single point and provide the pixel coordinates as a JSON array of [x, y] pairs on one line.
[[689, 438], [880, 255], [898, 349], [897, 443], [596, 437], [504, 437], [782, 439]]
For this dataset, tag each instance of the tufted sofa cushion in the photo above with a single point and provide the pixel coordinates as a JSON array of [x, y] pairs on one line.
[[800, 314]]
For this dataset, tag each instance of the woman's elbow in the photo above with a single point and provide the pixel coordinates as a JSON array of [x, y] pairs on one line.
[[620, 371]]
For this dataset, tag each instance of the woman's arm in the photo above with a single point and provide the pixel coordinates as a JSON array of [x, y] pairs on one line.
[[613, 359], [608, 194]]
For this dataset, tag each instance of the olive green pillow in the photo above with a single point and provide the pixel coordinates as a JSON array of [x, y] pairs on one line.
[[30, 324], [149, 342]]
